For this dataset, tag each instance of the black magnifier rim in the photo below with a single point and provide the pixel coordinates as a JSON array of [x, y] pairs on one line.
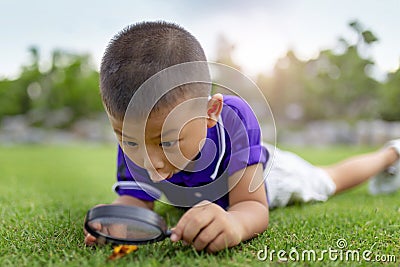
[[130, 213]]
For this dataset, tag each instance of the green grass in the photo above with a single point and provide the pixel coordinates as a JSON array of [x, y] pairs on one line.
[[45, 192]]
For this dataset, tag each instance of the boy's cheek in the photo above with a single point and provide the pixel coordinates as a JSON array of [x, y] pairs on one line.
[[134, 160], [177, 159]]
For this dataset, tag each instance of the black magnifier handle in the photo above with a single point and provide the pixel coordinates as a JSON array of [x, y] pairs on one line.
[[168, 233]]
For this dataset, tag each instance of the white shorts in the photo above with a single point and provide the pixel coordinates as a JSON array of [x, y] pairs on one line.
[[290, 179]]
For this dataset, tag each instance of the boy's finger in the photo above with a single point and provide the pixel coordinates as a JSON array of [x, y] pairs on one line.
[[207, 235], [178, 230], [192, 222], [175, 236], [90, 240], [95, 226], [196, 225], [202, 203], [217, 244]]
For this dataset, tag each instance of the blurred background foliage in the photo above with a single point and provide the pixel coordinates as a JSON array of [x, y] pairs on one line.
[[338, 84], [68, 90], [335, 85]]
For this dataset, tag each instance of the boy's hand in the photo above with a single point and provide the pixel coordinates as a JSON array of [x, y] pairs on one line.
[[207, 226]]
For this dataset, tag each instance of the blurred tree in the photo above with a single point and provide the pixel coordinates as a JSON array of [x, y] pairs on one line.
[[69, 86], [14, 98], [332, 86], [285, 91], [340, 87], [364, 36], [74, 84], [390, 97], [225, 50], [342, 84]]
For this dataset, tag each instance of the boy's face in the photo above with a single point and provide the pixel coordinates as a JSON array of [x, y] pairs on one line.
[[168, 141]]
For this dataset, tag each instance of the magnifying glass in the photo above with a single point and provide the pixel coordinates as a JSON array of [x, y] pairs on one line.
[[128, 225]]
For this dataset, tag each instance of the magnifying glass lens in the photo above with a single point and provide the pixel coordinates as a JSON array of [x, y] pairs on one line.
[[125, 225], [127, 229]]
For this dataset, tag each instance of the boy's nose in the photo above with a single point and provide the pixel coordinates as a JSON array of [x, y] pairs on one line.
[[154, 164]]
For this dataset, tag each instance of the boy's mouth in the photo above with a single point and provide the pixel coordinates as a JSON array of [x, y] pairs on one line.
[[156, 177]]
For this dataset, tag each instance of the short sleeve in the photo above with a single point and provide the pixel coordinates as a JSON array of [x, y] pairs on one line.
[[137, 185], [243, 136]]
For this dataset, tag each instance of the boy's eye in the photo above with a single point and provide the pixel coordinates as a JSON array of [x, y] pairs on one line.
[[169, 144], [130, 143]]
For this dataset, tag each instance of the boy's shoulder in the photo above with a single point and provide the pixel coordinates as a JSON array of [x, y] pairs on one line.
[[235, 106], [235, 101]]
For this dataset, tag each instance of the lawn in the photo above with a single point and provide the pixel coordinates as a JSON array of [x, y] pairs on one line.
[[45, 192]]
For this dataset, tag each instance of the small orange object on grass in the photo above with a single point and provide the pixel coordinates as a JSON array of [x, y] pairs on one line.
[[122, 250]]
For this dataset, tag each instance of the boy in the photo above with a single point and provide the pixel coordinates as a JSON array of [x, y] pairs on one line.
[[206, 152]]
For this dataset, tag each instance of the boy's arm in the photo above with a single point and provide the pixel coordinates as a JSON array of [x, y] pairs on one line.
[[208, 226], [249, 209], [132, 201]]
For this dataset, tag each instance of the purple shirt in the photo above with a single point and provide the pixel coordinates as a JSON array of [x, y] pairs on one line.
[[232, 145]]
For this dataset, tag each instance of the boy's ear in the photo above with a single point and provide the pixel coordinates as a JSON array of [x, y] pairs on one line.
[[214, 108]]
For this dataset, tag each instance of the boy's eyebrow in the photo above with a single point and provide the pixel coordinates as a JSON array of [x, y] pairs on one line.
[[122, 134], [165, 133], [158, 136]]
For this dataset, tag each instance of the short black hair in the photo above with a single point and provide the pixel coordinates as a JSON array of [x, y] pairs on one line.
[[138, 52]]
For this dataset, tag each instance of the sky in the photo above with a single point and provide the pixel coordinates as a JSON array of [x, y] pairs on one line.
[[262, 31]]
